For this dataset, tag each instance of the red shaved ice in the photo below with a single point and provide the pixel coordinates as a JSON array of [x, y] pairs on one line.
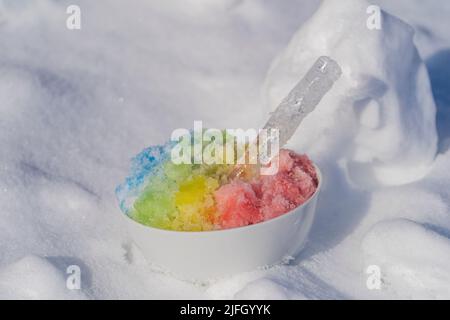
[[242, 203], [237, 204]]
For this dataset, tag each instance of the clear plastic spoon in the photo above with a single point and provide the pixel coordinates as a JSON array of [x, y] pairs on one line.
[[300, 102]]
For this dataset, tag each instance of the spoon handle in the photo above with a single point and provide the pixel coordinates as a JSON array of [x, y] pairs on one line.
[[300, 102], [303, 98]]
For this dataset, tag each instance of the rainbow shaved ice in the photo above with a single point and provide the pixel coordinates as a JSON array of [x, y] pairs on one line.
[[200, 197]]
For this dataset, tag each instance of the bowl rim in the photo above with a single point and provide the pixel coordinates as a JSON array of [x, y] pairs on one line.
[[236, 229]]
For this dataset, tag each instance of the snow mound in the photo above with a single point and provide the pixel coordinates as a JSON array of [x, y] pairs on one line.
[[33, 277], [380, 116], [413, 258]]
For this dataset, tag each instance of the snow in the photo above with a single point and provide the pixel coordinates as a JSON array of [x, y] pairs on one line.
[[77, 105], [34, 278], [398, 145], [411, 255]]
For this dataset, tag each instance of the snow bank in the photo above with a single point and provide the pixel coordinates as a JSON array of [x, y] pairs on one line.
[[380, 118]]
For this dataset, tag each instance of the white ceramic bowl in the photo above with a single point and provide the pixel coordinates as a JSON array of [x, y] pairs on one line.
[[211, 254]]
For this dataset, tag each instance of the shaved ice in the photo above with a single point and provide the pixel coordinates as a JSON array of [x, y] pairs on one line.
[[201, 197]]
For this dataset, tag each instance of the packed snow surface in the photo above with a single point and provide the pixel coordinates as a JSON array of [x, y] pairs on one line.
[[76, 105]]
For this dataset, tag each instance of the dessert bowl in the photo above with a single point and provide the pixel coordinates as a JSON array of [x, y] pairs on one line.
[[204, 255]]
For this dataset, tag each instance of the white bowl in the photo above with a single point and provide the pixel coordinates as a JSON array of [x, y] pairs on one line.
[[211, 254]]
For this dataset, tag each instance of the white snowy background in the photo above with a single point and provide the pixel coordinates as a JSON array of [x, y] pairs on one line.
[[76, 105]]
